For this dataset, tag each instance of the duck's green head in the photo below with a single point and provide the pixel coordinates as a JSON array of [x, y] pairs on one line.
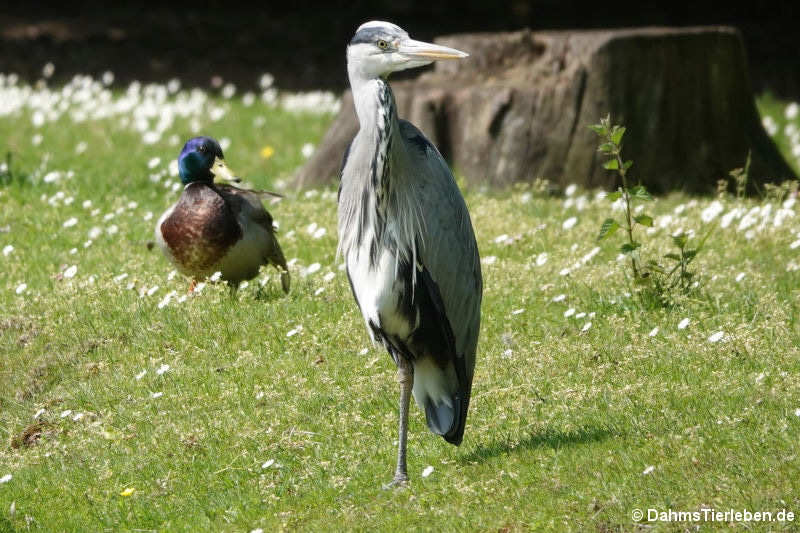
[[201, 160]]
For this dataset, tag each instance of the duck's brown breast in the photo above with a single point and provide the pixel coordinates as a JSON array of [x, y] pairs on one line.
[[200, 229]]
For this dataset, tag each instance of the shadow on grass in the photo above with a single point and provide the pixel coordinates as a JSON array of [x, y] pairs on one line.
[[547, 438]]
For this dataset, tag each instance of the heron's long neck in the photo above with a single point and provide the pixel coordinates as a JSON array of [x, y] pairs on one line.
[[377, 194], [377, 115]]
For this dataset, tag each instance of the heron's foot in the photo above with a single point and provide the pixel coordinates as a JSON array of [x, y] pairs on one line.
[[400, 481], [405, 374], [192, 286]]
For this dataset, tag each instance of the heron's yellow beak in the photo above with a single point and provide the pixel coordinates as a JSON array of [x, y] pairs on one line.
[[221, 171], [428, 51]]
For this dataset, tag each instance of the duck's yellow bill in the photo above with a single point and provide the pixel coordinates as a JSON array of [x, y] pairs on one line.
[[221, 171]]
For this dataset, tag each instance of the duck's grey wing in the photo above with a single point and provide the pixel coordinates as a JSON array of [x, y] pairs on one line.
[[257, 192], [448, 257], [248, 204]]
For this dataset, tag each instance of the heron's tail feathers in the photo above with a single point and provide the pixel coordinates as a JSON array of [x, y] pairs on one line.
[[446, 420], [436, 391]]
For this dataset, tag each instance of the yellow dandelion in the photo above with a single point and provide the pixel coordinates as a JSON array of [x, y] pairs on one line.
[[127, 492], [267, 152]]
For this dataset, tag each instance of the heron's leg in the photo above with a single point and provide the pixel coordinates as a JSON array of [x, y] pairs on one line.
[[405, 376]]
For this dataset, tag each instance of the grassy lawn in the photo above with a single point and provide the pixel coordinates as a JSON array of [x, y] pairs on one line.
[[126, 406]]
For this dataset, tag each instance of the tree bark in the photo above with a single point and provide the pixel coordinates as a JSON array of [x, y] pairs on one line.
[[518, 109]]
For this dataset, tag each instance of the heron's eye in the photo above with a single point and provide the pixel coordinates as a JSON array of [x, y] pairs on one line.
[[202, 149], [383, 45]]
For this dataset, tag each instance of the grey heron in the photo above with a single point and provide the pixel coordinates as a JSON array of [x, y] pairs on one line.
[[407, 240], [215, 227]]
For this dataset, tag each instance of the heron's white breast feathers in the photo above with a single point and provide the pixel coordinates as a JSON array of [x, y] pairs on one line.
[[378, 291]]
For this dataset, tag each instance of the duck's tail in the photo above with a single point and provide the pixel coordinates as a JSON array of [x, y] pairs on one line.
[[276, 258], [285, 280]]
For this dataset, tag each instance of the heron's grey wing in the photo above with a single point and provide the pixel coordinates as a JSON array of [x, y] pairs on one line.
[[449, 251]]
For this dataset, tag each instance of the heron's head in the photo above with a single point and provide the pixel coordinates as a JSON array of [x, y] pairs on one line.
[[379, 48], [201, 160]]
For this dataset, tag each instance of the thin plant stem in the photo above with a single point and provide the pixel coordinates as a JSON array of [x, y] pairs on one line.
[[627, 196]]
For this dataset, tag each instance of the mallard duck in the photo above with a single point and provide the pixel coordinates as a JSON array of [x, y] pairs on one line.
[[215, 227]]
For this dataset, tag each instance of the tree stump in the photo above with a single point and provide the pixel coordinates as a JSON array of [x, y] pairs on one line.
[[518, 109]]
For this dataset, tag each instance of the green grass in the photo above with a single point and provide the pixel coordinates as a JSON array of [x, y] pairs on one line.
[[565, 421], [774, 111]]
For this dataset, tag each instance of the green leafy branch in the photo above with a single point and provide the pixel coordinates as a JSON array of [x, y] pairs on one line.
[[658, 281], [611, 147]]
